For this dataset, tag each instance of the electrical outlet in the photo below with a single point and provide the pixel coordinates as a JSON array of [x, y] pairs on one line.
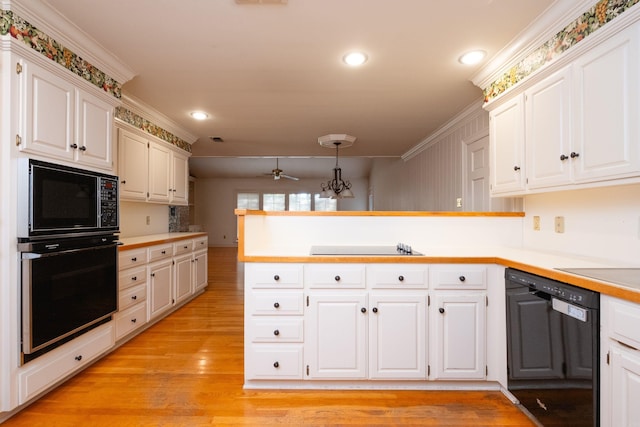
[[459, 202], [559, 221], [148, 220], [536, 223]]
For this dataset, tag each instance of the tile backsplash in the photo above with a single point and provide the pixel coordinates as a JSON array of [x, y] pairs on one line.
[[178, 218]]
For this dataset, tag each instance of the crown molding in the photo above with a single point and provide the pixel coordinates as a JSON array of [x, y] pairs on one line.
[[47, 19], [549, 23]]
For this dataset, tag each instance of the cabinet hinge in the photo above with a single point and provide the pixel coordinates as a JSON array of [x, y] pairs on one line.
[[18, 68], [486, 300], [486, 371], [428, 300], [428, 370], [307, 306], [307, 370], [608, 354], [18, 140]]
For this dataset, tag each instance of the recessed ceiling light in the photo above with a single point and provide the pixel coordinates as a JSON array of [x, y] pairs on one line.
[[473, 57], [199, 115], [355, 58]]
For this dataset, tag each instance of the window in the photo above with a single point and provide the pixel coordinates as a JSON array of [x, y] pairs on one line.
[[273, 202], [327, 205], [248, 201], [300, 202]]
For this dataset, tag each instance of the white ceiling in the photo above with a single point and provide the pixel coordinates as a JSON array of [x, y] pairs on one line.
[[271, 76]]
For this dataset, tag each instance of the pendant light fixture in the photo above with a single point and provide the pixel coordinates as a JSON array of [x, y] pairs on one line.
[[336, 188]]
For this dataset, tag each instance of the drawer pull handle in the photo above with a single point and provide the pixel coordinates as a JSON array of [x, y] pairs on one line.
[[374, 309], [74, 146], [574, 155], [337, 278], [134, 297], [401, 278], [276, 277], [134, 278], [276, 305], [441, 310], [516, 168], [563, 157], [83, 148], [363, 310], [164, 252], [184, 247], [134, 259], [78, 357], [134, 320], [276, 332], [276, 365], [462, 278]]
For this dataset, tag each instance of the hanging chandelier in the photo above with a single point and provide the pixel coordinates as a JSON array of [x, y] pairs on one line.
[[336, 188]]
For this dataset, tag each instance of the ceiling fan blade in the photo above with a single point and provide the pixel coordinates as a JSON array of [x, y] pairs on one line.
[[289, 177]]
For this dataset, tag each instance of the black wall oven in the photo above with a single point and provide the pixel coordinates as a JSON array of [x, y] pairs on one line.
[[67, 245], [553, 349]]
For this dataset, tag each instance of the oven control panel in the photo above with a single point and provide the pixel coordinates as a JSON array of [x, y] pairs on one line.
[[108, 202]]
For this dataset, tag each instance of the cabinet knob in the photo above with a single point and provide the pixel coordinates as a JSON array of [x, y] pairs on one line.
[[134, 320], [563, 157], [134, 297], [337, 278], [134, 278], [401, 278], [153, 274], [276, 332], [516, 168], [374, 309], [78, 357], [74, 146], [276, 305], [276, 365], [276, 277], [363, 310], [134, 259], [164, 252], [83, 148], [574, 155], [462, 278], [124, 181], [441, 310]]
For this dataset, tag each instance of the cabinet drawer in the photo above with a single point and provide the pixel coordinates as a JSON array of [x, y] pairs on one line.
[[397, 276], [624, 321], [266, 361], [130, 319], [132, 258], [200, 243], [335, 276], [132, 296], [273, 275], [45, 371], [276, 329], [182, 247], [131, 277], [159, 252], [275, 303], [458, 277]]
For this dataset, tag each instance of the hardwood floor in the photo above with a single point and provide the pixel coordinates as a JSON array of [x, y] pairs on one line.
[[187, 370]]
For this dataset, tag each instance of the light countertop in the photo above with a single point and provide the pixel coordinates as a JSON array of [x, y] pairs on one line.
[[156, 239]]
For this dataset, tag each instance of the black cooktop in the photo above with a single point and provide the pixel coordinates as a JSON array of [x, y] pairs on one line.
[[620, 276]]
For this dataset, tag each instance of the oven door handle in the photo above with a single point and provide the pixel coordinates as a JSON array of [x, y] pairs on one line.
[[36, 255]]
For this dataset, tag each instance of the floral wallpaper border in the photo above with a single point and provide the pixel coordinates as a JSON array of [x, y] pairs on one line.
[[23, 31], [593, 19], [145, 125]]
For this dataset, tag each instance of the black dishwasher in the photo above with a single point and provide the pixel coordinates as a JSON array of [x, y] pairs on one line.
[[553, 349]]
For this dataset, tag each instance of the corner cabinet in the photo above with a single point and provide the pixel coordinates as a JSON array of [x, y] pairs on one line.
[[152, 170], [60, 120], [317, 323], [573, 125]]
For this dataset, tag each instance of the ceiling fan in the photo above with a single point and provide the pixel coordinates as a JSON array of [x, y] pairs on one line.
[[277, 173]]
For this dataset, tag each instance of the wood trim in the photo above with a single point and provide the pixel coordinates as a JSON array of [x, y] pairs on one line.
[[245, 212], [241, 256]]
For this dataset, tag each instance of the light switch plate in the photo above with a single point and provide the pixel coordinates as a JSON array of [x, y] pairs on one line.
[[559, 222]]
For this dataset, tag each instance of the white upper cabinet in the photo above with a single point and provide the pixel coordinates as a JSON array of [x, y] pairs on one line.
[[159, 175], [506, 130], [606, 109], [61, 121], [132, 165], [548, 130]]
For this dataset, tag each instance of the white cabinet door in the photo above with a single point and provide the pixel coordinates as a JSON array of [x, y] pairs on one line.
[[94, 131], [459, 332], [200, 270], [625, 386], [159, 173], [335, 343], [397, 336], [132, 166], [183, 279], [180, 179], [548, 131], [48, 115], [160, 287], [506, 130], [606, 99]]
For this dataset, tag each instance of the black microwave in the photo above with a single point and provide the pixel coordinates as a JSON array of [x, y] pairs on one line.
[[59, 201]]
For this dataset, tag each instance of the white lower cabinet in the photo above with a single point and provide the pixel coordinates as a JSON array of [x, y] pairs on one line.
[[625, 386], [132, 296], [160, 287], [183, 279]]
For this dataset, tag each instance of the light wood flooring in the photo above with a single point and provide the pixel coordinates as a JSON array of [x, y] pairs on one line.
[[187, 370]]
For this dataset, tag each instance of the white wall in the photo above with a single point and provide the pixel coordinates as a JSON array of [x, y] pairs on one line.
[[133, 219], [215, 201], [599, 222]]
